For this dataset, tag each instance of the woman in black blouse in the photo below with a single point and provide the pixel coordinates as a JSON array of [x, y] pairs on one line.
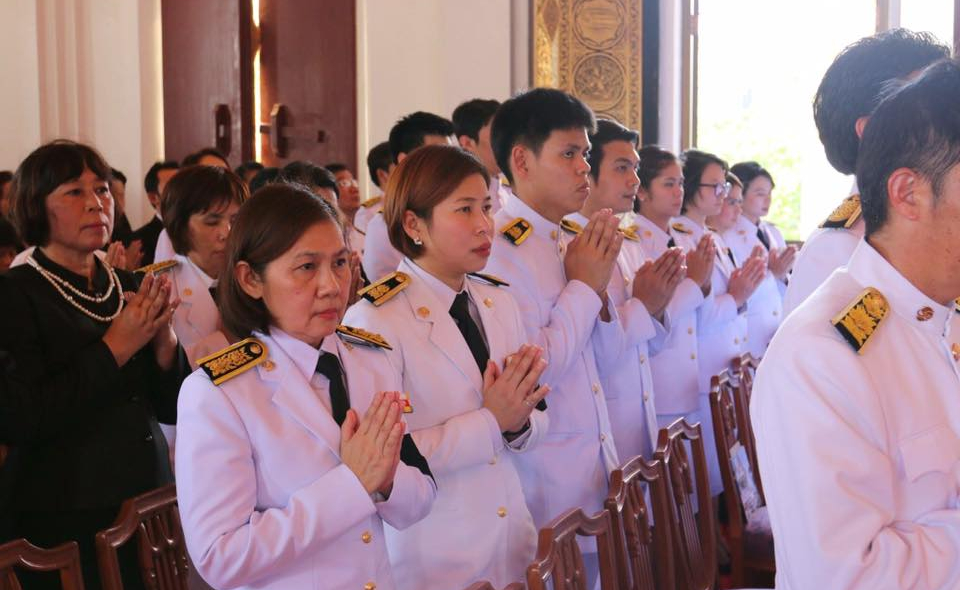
[[89, 362]]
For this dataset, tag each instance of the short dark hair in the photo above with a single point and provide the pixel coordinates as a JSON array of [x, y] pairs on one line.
[[310, 175], [471, 116], [263, 178], [151, 182], [379, 158], [530, 117], [606, 132], [197, 189], [194, 158], [5, 177], [409, 132], [9, 238], [916, 126], [40, 173], [242, 169], [747, 172], [117, 175], [694, 163], [335, 167], [653, 159], [852, 85], [420, 183], [268, 225]]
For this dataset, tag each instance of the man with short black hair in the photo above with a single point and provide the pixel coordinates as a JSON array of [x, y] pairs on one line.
[[153, 183], [472, 121], [856, 405], [849, 91], [379, 164]]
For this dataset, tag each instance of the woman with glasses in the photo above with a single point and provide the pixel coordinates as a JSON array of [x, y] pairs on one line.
[[721, 320]]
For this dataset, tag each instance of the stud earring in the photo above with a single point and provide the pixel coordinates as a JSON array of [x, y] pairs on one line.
[[417, 241]]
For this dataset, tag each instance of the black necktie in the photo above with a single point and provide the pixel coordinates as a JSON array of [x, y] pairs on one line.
[[671, 243], [732, 259], [762, 236], [460, 312], [329, 367]]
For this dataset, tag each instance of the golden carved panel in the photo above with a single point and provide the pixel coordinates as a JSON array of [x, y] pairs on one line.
[[591, 49]]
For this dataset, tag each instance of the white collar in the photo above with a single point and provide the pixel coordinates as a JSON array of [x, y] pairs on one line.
[[303, 355], [444, 294]]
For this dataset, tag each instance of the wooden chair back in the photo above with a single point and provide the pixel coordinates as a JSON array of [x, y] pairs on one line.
[[484, 585], [21, 553], [744, 370], [155, 520], [694, 531], [641, 534], [559, 560]]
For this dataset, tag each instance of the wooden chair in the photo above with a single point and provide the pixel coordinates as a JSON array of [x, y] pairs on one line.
[[744, 369], [161, 550], [559, 558], [750, 551], [21, 553], [694, 532], [644, 554], [484, 585]]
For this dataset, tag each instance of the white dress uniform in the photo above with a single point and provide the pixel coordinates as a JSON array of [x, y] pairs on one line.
[[765, 306], [164, 249], [367, 210], [355, 238], [860, 453], [380, 258], [828, 248], [499, 191], [196, 322], [480, 527], [264, 499], [626, 378], [675, 365], [571, 466]]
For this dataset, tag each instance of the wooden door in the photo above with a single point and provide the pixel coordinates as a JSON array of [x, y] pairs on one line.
[[207, 77], [308, 65]]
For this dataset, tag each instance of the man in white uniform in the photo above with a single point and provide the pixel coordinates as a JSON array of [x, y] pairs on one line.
[[856, 405], [849, 90], [472, 121]]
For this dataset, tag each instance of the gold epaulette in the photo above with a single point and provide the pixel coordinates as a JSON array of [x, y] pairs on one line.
[[845, 215], [233, 360], [956, 304], [517, 231], [504, 181], [381, 291], [858, 321], [362, 337], [571, 227], [489, 279], [371, 202], [679, 227], [158, 267], [630, 233]]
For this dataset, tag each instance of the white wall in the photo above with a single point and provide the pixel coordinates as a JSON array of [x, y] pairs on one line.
[[431, 56], [87, 70]]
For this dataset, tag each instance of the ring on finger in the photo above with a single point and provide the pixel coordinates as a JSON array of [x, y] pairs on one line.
[[528, 403]]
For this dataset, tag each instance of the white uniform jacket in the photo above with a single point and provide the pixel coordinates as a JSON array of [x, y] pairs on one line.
[[765, 306], [674, 366], [196, 321], [860, 453], [367, 210], [164, 250], [626, 377], [570, 467], [499, 191], [826, 250], [380, 258], [480, 527], [264, 499]]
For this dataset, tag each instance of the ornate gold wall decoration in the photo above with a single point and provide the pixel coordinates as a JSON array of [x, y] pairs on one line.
[[591, 49]]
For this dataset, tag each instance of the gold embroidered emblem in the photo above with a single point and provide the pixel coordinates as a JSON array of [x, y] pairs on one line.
[[858, 321], [956, 304], [630, 233], [233, 360], [571, 227], [383, 290], [489, 279], [517, 231], [349, 334], [371, 202], [158, 267], [679, 227], [845, 215]]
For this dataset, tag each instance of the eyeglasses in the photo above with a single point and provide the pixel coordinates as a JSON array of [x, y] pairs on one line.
[[346, 183], [733, 202], [721, 189]]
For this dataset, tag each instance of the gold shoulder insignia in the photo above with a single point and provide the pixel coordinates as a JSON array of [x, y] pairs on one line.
[[630, 233], [571, 227], [679, 227], [956, 304], [381, 291], [361, 337], [371, 202], [517, 231], [845, 215], [504, 181], [158, 267], [857, 322], [489, 279], [233, 360]]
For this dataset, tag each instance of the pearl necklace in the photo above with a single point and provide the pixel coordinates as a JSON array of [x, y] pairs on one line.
[[57, 282]]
